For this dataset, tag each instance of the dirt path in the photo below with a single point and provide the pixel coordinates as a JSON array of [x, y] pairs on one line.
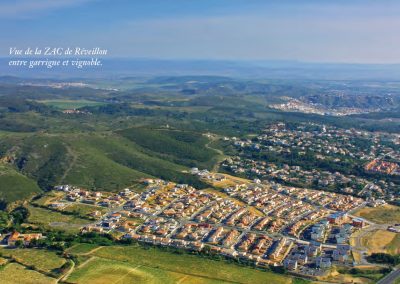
[[129, 272], [182, 279], [66, 275], [86, 261], [92, 251]]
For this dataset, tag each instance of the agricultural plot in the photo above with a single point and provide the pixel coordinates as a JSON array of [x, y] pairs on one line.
[[15, 273], [40, 259], [81, 248], [98, 270], [172, 265]]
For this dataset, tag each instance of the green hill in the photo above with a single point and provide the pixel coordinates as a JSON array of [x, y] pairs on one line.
[[108, 161], [182, 147], [15, 186]]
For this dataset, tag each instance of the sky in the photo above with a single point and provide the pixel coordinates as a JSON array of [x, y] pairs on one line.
[[339, 31]]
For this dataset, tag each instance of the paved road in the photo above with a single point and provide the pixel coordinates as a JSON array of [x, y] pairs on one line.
[[390, 278]]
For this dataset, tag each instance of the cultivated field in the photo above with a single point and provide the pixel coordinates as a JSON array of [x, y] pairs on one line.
[[99, 270], [81, 248], [40, 259], [15, 273], [156, 266]]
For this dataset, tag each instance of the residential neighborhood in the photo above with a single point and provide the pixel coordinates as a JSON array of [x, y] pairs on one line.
[[306, 155], [266, 223]]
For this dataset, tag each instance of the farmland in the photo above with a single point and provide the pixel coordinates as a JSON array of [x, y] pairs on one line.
[[16, 273], [42, 260], [156, 265], [99, 270]]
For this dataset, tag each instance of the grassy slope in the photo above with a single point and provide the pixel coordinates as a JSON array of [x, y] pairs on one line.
[[41, 157], [381, 215], [378, 241], [394, 246], [15, 186], [93, 168], [182, 147]]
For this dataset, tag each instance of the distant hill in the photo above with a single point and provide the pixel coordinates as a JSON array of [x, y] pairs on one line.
[[133, 67], [352, 101]]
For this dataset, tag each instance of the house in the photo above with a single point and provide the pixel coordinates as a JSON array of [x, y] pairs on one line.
[[358, 222], [337, 218], [92, 228], [24, 238]]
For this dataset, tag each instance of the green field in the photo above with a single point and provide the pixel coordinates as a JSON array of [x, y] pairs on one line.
[[55, 220], [15, 273], [156, 266], [99, 270], [82, 248], [40, 259], [70, 104]]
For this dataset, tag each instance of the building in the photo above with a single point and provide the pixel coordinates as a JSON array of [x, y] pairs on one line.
[[358, 222], [337, 218], [25, 239], [323, 262], [290, 264], [339, 255]]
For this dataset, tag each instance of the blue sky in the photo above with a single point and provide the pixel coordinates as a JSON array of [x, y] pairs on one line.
[[306, 30]]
